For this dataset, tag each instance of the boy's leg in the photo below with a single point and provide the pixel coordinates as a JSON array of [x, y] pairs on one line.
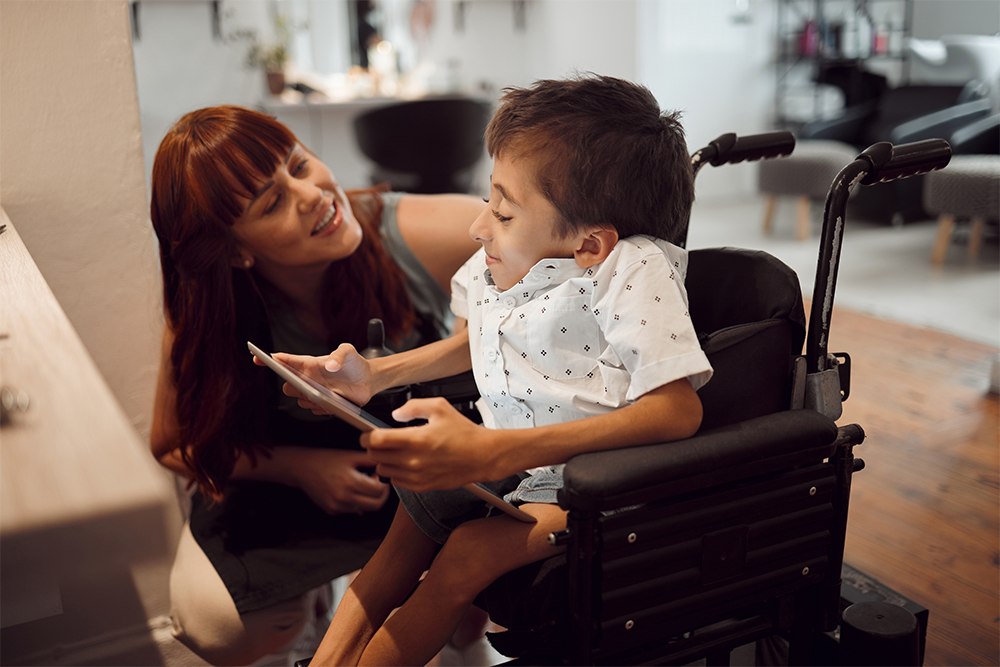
[[383, 583], [476, 554]]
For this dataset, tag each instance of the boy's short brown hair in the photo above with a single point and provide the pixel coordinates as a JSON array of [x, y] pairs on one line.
[[602, 152]]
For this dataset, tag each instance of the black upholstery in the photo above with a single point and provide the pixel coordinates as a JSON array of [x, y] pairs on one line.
[[744, 300], [690, 548], [424, 146]]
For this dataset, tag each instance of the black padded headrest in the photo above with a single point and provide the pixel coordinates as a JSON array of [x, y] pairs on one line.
[[730, 286], [746, 307]]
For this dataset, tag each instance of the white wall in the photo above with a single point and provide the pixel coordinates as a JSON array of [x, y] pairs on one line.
[[72, 180], [713, 62]]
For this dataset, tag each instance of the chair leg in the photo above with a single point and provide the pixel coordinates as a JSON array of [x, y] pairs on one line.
[[946, 225], [802, 217], [976, 237], [770, 206]]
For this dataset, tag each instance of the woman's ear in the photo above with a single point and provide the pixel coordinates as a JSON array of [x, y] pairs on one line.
[[595, 246]]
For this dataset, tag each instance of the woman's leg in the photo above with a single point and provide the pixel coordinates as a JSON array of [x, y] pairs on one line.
[[381, 586], [205, 617], [476, 553]]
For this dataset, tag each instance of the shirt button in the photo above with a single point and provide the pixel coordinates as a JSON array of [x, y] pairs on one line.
[[509, 301], [491, 355]]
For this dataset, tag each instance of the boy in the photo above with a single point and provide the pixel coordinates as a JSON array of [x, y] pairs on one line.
[[579, 338]]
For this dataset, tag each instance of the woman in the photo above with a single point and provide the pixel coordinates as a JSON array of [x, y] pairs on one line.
[[259, 242]]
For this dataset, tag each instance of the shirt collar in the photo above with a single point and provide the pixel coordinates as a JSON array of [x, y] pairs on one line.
[[544, 274]]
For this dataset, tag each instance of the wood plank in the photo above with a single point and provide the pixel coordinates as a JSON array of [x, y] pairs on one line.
[[925, 513]]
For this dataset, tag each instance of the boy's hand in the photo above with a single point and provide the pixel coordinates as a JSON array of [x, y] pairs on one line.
[[445, 453], [343, 370]]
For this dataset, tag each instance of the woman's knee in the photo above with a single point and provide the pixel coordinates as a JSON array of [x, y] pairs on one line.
[[206, 620]]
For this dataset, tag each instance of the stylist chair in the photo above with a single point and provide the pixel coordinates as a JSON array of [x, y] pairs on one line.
[[424, 146]]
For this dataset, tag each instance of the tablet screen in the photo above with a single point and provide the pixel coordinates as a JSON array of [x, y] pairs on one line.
[[331, 401]]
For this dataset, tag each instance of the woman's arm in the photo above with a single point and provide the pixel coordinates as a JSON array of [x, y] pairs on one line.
[[436, 229], [334, 479], [450, 450]]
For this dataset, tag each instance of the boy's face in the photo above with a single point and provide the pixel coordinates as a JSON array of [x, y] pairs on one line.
[[518, 227]]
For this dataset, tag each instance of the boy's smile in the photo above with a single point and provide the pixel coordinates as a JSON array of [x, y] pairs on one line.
[[518, 227]]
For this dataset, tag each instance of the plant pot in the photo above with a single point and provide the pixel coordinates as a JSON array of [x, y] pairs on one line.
[[275, 82]]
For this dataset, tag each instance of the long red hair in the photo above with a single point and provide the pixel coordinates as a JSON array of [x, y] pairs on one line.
[[207, 161]]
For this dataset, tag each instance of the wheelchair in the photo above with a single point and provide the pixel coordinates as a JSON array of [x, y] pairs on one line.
[[687, 550]]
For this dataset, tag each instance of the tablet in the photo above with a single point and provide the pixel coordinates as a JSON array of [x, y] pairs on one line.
[[356, 416]]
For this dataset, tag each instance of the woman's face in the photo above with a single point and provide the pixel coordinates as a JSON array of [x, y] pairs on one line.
[[299, 218]]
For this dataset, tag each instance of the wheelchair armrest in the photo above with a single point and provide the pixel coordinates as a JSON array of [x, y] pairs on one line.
[[461, 387], [619, 478]]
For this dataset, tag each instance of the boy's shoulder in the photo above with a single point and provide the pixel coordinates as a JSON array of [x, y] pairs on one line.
[[642, 247]]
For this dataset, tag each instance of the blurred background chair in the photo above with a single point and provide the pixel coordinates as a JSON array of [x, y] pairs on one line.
[[425, 146], [899, 115], [954, 83], [805, 176], [967, 191]]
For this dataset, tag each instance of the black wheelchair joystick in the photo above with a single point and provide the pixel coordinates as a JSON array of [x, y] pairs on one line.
[[376, 340]]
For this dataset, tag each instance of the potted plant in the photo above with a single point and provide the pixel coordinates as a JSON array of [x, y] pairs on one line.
[[271, 57]]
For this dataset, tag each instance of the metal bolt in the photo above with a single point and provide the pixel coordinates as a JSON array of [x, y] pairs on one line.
[[629, 624], [812, 490], [805, 570], [632, 537]]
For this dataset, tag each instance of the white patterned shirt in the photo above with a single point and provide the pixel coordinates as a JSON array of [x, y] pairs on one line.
[[566, 343]]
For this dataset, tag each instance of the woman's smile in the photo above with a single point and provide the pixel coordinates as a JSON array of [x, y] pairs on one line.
[[329, 222]]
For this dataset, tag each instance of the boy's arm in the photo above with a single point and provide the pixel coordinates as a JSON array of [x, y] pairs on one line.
[[450, 451], [358, 379]]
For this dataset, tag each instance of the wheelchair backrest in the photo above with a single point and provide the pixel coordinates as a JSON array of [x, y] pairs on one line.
[[746, 307]]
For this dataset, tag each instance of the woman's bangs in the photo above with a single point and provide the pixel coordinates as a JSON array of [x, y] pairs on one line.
[[231, 171]]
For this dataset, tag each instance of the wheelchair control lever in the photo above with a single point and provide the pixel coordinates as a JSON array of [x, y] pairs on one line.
[[376, 340]]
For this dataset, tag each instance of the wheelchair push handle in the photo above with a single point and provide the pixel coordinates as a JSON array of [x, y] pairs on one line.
[[731, 149], [889, 163], [878, 163]]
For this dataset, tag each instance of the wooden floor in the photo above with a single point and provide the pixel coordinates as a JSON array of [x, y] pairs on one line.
[[925, 513]]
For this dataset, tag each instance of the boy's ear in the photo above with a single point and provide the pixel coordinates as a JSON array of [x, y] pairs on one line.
[[595, 246]]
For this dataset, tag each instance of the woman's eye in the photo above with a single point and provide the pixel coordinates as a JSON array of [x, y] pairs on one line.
[[498, 216], [300, 167], [272, 206]]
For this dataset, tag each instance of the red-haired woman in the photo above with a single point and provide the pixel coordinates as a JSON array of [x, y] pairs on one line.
[[259, 242]]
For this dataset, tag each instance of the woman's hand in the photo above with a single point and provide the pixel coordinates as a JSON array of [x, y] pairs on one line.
[[445, 453], [339, 481], [343, 371]]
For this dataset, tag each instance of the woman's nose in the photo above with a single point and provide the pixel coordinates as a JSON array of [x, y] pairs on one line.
[[310, 196]]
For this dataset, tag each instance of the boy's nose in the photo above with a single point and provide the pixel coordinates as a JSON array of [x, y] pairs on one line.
[[479, 229]]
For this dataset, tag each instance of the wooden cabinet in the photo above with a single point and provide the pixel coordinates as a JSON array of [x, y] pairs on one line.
[[83, 505]]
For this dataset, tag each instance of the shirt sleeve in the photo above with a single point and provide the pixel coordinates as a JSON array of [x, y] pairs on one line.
[[642, 310]]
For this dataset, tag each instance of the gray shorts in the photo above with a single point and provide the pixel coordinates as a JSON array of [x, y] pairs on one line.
[[437, 513]]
